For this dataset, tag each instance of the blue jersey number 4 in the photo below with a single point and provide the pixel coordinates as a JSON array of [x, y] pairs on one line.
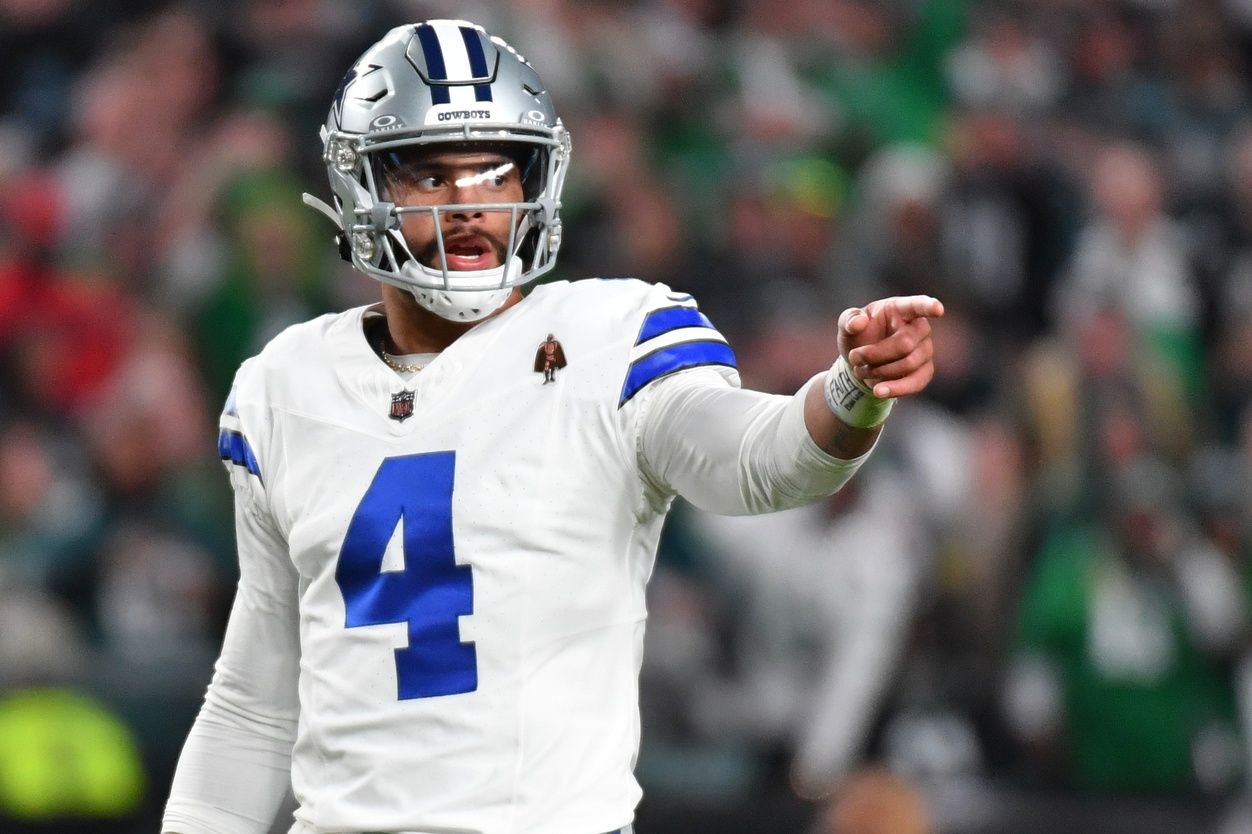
[[431, 592]]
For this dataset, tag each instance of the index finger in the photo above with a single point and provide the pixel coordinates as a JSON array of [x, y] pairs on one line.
[[850, 315], [911, 307]]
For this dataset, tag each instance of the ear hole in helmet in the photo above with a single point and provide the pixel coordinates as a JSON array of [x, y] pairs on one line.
[[341, 243]]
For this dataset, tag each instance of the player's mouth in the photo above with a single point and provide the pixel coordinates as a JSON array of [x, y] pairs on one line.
[[469, 252]]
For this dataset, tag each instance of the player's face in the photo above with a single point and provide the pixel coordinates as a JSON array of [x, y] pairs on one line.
[[473, 238]]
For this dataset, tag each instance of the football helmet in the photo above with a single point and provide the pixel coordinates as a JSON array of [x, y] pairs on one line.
[[443, 85]]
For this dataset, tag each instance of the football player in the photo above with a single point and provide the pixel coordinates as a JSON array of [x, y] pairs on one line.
[[443, 542]]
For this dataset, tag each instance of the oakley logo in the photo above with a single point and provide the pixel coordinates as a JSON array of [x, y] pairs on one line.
[[386, 122], [456, 115]]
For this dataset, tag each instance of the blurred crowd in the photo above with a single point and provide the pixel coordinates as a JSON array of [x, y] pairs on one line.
[[1031, 611]]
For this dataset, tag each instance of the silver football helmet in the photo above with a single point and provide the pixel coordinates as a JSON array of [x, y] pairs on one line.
[[443, 84]]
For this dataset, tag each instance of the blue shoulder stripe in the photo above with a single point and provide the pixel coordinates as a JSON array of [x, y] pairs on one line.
[[671, 318], [668, 360], [233, 446]]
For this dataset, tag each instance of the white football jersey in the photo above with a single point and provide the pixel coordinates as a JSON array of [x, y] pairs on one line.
[[470, 551]]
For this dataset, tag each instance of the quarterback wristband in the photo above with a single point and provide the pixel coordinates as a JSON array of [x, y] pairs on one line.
[[852, 401]]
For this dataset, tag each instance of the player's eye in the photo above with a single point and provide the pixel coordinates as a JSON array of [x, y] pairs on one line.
[[400, 181], [428, 182], [495, 175]]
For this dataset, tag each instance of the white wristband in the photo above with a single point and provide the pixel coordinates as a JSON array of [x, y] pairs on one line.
[[852, 401]]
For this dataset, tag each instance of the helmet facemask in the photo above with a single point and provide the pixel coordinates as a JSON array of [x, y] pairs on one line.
[[402, 175], [382, 173]]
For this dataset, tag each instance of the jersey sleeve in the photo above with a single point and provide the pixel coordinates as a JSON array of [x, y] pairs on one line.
[[733, 451], [235, 766], [674, 336], [699, 435]]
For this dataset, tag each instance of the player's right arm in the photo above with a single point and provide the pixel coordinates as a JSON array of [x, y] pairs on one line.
[[235, 766]]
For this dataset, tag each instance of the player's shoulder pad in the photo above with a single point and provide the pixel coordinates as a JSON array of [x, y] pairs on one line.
[[299, 345], [659, 331], [258, 383], [291, 367], [233, 446], [617, 299], [594, 295], [604, 310], [671, 335]]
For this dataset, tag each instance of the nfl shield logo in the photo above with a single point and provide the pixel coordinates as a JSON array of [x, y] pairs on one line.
[[401, 406]]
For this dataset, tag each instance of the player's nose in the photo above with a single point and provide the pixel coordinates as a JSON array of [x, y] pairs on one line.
[[466, 194]]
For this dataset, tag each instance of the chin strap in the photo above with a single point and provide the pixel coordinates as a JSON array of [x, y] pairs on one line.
[[460, 305]]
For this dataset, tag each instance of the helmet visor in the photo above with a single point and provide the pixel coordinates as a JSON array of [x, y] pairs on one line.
[[444, 173]]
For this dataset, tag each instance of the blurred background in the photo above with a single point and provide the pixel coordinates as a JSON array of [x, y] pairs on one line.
[[1031, 612]]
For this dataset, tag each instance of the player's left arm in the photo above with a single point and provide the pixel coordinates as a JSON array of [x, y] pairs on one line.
[[885, 352]]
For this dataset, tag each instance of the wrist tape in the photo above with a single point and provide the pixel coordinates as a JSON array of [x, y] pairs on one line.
[[852, 401]]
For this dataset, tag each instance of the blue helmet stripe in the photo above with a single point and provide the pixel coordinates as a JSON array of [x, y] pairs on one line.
[[478, 62], [671, 359], [435, 68], [671, 318]]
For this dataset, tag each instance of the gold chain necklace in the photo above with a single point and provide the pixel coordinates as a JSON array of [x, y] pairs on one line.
[[397, 365]]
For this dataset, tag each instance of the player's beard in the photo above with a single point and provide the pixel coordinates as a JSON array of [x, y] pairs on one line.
[[430, 252]]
